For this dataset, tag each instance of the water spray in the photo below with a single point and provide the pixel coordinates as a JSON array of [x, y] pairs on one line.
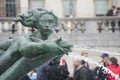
[[86, 48]]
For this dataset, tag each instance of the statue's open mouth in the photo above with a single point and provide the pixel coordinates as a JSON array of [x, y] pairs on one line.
[[47, 31]]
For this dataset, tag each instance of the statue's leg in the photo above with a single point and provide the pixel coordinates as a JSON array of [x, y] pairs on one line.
[[5, 45], [23, 66], [1, 51], [7, 58]]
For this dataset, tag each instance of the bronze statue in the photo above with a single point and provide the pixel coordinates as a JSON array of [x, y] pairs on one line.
[[22, 54]]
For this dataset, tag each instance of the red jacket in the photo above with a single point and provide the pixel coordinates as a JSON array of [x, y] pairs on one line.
[[118, 71], [113, 68]]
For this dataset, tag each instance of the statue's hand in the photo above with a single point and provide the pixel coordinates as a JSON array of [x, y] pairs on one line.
[[17, 19], [21, 17], [53, 48], [65, 45]]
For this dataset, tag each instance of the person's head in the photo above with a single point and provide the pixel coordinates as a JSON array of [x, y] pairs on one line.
[[33, 70], [113, 7], [118, 13], [83, 62], [54, 61], [105, 57], [113, 61], [77, 62], [85, 54]]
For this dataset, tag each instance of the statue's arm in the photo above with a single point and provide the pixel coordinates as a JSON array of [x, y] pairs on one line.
[[32, 49], [23, 22], [34, 39]]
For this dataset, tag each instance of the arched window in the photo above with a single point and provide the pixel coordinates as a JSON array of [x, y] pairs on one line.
[[10, 8], [101, 7]]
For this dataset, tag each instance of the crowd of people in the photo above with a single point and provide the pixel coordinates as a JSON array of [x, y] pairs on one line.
[[113, 11], [57, 69]]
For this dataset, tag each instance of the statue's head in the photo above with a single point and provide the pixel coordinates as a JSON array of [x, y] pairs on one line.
[[43, 19]]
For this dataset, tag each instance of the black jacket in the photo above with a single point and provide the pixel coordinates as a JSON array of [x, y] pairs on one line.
[[110, 13], [57, 72], [81, 74]]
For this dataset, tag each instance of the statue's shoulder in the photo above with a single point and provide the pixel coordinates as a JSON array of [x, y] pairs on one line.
[[35, 37], [36, 34]]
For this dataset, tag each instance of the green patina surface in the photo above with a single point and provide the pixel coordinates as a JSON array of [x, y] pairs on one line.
[[22, 54]]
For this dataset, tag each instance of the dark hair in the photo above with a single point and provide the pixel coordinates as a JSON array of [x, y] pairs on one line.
[[83, 62], [34, 70], [114, 61], [83, 53], [113, 6]]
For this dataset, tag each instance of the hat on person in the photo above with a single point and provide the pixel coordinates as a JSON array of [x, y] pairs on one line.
[[104, 55]]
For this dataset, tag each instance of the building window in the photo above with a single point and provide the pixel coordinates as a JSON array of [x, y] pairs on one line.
[[10, 8], [101, 7], [37, 4], [68, 7]]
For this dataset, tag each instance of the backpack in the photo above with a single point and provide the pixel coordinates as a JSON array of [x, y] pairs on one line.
[[100, 74]]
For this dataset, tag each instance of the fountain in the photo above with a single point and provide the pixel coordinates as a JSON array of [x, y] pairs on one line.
[[22, 54]]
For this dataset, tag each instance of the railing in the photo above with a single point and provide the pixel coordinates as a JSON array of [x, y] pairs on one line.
[[91, 25], [98, 31], [7, 23], [84, 25]]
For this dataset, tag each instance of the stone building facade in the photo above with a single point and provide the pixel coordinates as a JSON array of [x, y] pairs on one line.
[[62, 8]]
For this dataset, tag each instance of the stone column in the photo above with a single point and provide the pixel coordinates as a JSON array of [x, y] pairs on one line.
[[17, 7], [2, 8], [114, 2], [85, 8], [0, 27], [24, 8], [19, 28], [55, 6], [6, 26], [118, 3]]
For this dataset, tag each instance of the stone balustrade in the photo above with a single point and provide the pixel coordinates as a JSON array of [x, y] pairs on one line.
[[84, 25], [92, 25], [7, 23], [98, 31]]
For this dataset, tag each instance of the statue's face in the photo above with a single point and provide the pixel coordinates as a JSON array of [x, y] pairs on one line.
[[47, 22]]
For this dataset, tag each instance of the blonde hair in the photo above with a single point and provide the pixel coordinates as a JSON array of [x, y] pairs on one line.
[[83, 53]]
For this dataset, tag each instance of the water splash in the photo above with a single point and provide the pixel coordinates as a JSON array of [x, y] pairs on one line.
[[96, 49]]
